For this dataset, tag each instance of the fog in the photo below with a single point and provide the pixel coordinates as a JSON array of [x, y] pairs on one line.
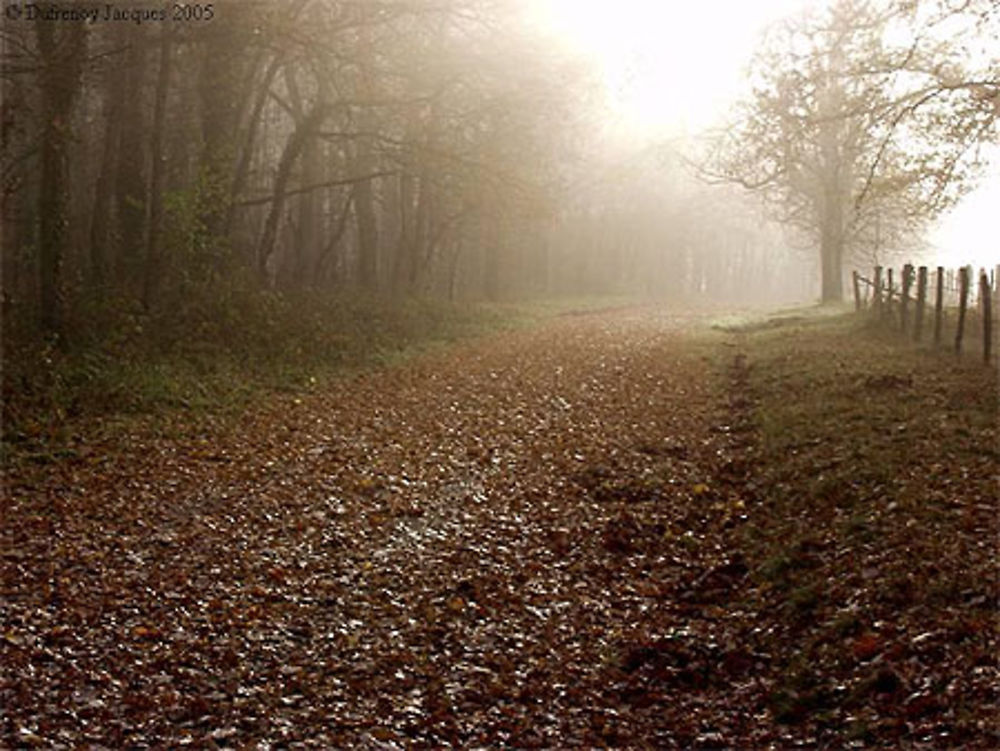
[[485, 150]]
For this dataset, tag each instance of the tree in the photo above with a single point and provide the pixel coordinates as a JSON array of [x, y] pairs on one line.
[[154, 225], [822, 136], [306, 143], [131, 181], [61, 52], [946, 77]]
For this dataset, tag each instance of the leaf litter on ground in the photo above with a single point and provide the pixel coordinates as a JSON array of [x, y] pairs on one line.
[[579, 535]]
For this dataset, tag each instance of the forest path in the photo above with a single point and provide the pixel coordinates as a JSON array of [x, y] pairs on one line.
[[467, 549]]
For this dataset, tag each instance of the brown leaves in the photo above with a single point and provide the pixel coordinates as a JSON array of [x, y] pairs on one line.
[[406, 558], [866, 646], [145, 633], [536, 540]]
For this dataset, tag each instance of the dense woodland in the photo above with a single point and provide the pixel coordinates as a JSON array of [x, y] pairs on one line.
[[154, 168]]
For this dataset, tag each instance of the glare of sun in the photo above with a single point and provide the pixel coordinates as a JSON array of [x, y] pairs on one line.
[[968, 234], [666, 65]]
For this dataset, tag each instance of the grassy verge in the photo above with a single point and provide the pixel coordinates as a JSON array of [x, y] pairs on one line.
[[178, 370], [874, 541], [207, 364]]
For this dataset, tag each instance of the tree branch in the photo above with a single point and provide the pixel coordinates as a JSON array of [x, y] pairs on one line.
[[317, 186]]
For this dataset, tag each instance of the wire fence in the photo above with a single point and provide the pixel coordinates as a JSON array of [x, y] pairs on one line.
[[946, 307]]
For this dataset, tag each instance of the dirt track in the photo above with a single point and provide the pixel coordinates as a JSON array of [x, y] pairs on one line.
[[460, 550], [556, 537]]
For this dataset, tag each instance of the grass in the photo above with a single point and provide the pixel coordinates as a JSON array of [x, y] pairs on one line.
[[212, 363], [875, 468], [210, 360]]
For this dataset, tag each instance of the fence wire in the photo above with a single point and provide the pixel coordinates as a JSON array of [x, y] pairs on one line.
[[895, 295]]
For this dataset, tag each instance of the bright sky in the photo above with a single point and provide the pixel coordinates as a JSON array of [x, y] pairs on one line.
[[971, 232], [668, 65], [671, 67]]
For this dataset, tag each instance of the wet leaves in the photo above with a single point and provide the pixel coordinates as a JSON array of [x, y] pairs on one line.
[[544, 540], [408, 558]]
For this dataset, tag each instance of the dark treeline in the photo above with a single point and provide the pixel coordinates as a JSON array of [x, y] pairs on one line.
[[385, 146], [155, 170]]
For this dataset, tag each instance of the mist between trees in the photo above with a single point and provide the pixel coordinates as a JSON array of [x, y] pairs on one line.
[[160, 170]]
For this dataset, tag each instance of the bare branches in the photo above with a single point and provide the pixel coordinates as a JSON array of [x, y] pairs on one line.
[[339, 182], [907, 106]]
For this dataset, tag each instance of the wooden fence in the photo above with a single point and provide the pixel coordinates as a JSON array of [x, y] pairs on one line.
[[962, 305]]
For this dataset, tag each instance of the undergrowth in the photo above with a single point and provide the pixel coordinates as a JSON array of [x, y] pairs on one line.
[[210, 357]]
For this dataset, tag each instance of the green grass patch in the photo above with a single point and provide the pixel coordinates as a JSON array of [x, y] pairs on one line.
[[210, 357]]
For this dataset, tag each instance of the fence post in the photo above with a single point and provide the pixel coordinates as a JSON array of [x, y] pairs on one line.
[[963, 303], [938, 305], [918, 324], [976, 283], [888, 292], [877, 292], [857, 292], [984, 298], [904, 303]]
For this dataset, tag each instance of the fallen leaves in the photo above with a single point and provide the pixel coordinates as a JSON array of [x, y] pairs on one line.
[[544, 539], [859, 566]]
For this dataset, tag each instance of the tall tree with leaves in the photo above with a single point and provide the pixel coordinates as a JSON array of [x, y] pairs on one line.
[[821, 138]]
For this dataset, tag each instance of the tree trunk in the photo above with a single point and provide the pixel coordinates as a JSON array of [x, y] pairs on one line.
[[364, 157], [100, 226], [491, 258], [835, 171], [424, 242], [453, 261], [336, 234], [307, 248], [62, 48], [157, 174], [364, 212], [296, 142], [832, 249], [242, 170], [222, 59], [405, 262], [130, 181]]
